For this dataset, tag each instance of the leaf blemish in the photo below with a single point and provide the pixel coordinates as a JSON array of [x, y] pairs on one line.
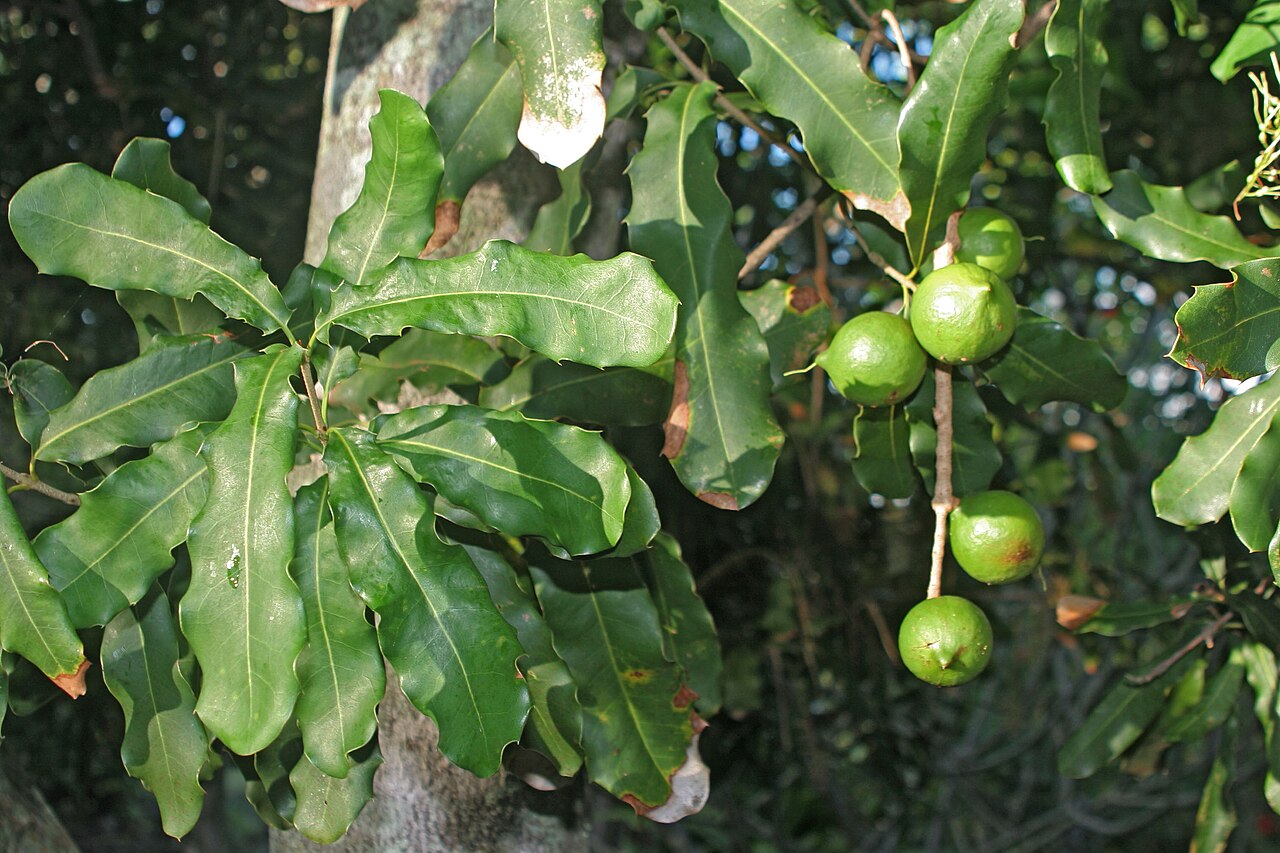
[[233, 567]]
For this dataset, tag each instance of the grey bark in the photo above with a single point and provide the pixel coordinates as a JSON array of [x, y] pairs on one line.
[[423, 803], [27, 824]]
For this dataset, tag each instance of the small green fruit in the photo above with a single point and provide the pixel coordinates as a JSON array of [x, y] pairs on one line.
[[874, 359], [990, 239], [996, 537], [963, 313], [945, 640]]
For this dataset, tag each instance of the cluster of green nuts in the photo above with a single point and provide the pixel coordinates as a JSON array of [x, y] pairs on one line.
[[960, 314]]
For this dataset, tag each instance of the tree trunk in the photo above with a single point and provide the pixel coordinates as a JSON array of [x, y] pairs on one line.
[[423, 803]]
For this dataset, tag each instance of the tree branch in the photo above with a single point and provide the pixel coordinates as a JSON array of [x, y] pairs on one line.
[[775, 237], [1032, 26], [29, 482], [1205, 636], [943, 500], [904, 51]]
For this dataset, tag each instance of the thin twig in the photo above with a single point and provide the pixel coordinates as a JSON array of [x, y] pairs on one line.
[[775, 237], [882, 630], [943, 500], [876, 258], [1165, 665], [1032, 26], [29, 482], [727, 105], [50, 343], [904, 51], [310, 383]]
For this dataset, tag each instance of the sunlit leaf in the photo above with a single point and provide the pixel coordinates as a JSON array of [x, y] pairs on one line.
[[1117, 618], [242, 614], [1255, 496], [1071, 119], [1260, 672], [1257, 37], [75, 221], [794, 322], [325, 806], [721, 436], [1232, 330], [1216, 816], [146, 163]]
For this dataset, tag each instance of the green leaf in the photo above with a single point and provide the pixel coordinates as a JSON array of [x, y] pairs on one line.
[[275, 801], [430, 361], [105, 555], [942, 130], [1255, 496], [340, 668], [641, 522], [154, 315], [560, 220], [1071, 120], [614, 312], [801, 72], [395, 212], [975, 458], [1115, 619], [1046, 361], [794, 322], [522, 477], [1257, 37], [615, 396], [1216, 815], [1260, 671], [1196, 487], [1217, 704], [689, 636], [555, 717], [721, 436], [174, 383], [1261, 616], [145, 163], [636, 720], [243, 614], [164, 743], [75, 221], [1113, 726], [1231, 330], [882, 452], [1161, 222], [1185, 12], [557, 44], [438, 627], [1218, 187], [37, 390], [475, 116], [325, 807], [33, 619]]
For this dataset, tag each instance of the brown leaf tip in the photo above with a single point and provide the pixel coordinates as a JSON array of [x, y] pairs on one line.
[[719, 500], [676, 428], [1075, 610], [448, 215], [801, 299], [72, 684]]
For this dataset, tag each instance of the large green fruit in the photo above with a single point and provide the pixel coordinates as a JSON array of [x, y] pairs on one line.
[[996, 537], [945, 640], [990, 239], [963, 313], [874, 359]]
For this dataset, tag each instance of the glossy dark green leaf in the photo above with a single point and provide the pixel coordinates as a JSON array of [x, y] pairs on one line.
[[641, 522], [558, 46], [1218, 187], [1071, 110], [164, 743], [37, 388], [943, 127], [800, 71], [325, 806], [75, 221], [430, 361], [105, 555], [614, 312], [1260, 672], [145, 163], [1255, 496], [340, 668], [560, 220], [242, 614], [432, 602], [1046, 361], [331, 365], [636, 720], [475, 116], [522, 477], [555, 717], [176, 382], [155, 316], [1261, 616], [275, 801], [1217, 704], [615, 396], [721, 436], [1231, 330], [975, 458], [33, 619], [1114, 725], [1216, 816], [794, 322], [1161, 222], [395, 212], [689, 635], [1196, 487], [1257, 37], [882, 452], [1115, 619]]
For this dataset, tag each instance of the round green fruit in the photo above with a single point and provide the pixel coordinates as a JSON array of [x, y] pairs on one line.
[[996, 537], [874, 359], [990, 239], [945, 640], [963, 313]]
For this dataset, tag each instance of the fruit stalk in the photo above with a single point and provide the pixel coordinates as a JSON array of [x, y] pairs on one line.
[[943, 500]]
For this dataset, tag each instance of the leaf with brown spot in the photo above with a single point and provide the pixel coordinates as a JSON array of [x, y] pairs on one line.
[[73, 684], [1232, 330]]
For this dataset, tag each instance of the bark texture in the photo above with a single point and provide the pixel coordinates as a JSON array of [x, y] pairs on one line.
[[423, 803]]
